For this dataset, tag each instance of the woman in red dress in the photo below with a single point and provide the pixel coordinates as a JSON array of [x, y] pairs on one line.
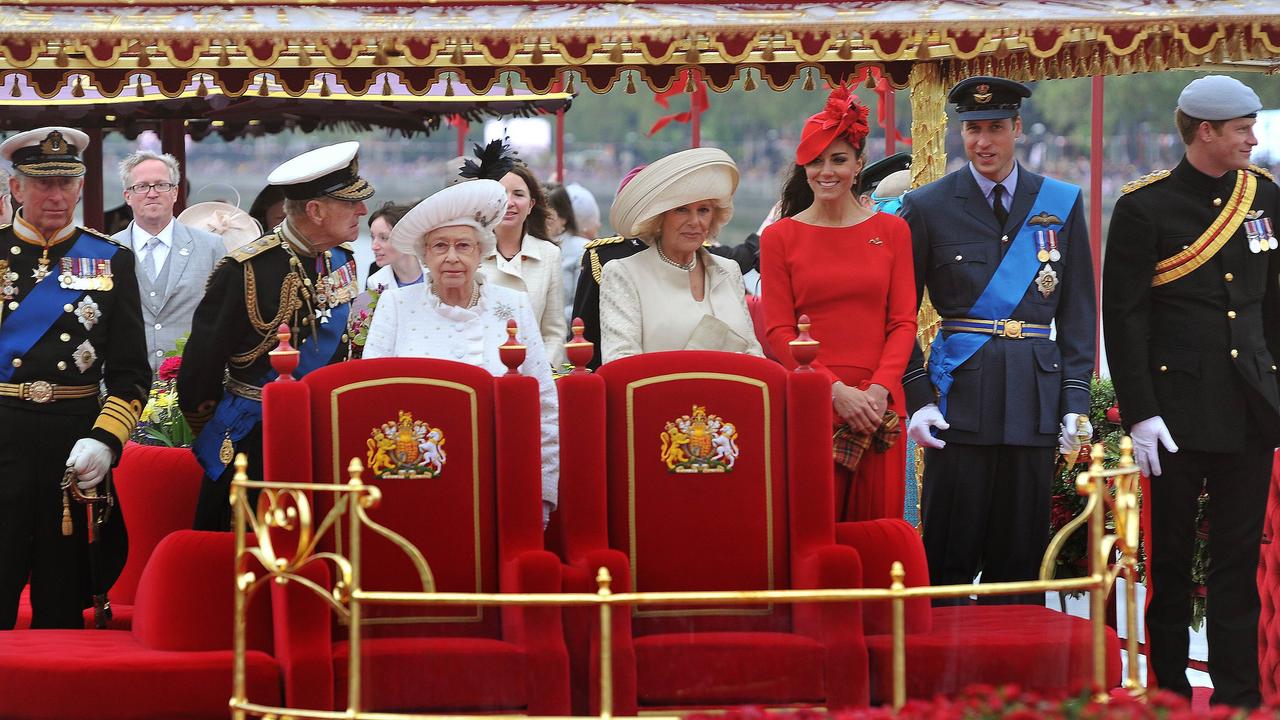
[[849, 269]]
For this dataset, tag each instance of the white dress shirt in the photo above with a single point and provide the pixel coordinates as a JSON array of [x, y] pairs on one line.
[[140, 238], [988, 186], [412, 322]]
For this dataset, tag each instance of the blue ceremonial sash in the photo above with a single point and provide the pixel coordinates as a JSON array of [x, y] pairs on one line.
[[44, 305], [236, 416], [1003, 292]]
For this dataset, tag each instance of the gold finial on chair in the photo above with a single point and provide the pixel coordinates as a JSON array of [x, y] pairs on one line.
[[603, 580], [804, 349], [355, 469]]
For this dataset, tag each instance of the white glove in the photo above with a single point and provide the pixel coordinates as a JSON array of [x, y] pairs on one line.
[[1144, 435], [91, 460], [922, 421], [1069, 440]]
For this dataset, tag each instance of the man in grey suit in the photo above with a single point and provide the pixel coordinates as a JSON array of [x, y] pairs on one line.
[[174, 260], [1004, 253]]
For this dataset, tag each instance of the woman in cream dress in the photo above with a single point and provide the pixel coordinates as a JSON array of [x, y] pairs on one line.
[[455, 314], [674, 295]]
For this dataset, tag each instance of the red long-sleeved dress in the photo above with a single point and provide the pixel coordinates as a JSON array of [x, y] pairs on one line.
[[857, 285]]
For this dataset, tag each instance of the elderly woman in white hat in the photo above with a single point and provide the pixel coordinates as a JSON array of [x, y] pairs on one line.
[[675, 295], [455, 314]]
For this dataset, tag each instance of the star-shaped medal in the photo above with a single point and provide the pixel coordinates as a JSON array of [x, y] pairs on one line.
[[42, 271]]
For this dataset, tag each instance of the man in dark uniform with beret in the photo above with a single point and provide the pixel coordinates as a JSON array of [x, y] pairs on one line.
[[1004, 253], [1190, 307], [304, 275], [71, 321], [598, 252]]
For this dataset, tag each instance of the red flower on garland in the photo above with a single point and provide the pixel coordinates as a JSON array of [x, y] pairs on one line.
[[1113, 414], [169, 368]]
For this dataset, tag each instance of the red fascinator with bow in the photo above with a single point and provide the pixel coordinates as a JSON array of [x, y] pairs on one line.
[[843, 117]]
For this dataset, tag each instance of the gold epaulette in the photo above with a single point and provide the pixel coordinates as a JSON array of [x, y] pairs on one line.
[[249, 249], [611, 240], [1144, 181], [1259, 170], [104, 236]]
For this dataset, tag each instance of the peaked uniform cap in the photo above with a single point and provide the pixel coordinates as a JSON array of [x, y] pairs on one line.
[[988, 98], [47, 152], [677, 179], [329, 171]]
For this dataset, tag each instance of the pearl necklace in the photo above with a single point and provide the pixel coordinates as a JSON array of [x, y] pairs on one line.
[[687, 267], [475, 295]]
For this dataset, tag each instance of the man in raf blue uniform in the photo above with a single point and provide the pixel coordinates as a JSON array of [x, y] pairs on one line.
[[70, 323], [303, 273], [1004, 254], [1190, 306]]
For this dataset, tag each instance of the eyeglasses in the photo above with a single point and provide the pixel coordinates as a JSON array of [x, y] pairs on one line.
[[441, 248], [160, 187]]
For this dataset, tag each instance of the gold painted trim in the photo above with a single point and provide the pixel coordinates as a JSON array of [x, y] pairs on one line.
[[636, 610], [334, 396]]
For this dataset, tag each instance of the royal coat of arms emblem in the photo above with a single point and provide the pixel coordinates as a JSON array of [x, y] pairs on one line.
[[406, 449], [699, 443]]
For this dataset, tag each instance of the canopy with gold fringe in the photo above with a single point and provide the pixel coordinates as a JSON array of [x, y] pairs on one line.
[[236, 42]]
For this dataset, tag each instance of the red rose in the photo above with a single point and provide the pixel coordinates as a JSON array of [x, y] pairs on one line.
[[169, 368], [1113, 414]]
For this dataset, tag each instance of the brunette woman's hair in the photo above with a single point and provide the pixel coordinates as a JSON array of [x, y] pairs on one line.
[[559, 200], [797, 195], [536, 223]]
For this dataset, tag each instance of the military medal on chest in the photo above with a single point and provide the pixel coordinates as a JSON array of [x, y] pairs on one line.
[[1047, 246], [1259, 232], [1047, 280], [8, 281], [78, 273]]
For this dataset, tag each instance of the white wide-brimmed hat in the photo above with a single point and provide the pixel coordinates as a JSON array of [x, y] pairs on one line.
[[235, 226], [476, 203], [677, 179]]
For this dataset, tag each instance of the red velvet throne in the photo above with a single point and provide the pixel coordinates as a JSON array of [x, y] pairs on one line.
[[456, 455], [175, 662], [950, 648], [660, 490]]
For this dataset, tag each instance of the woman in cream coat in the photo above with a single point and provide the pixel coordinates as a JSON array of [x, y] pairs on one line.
[[522, 259], [674, 295]]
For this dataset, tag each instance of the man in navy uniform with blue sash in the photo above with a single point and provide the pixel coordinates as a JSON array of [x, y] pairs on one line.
[[1192, 315], [71, 322], [1004, 254], [302, 274]]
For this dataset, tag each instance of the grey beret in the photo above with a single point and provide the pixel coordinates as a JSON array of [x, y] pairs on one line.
[[1218, 97]]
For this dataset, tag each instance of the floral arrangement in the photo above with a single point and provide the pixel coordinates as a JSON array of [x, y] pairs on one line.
[[361, 318], [1104, 415], [162, 422], [986, 702]]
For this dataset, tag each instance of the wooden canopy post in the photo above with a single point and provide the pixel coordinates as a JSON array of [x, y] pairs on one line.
[[173, 140], [92, 199]]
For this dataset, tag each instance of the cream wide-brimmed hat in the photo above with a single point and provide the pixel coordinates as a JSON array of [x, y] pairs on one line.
[[677, 179], [235, 226], [476, 203]]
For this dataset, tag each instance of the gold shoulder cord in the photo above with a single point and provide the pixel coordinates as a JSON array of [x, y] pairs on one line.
[[289, 304]]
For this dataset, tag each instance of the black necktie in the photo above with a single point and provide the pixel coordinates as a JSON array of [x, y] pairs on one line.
[[997, 205]]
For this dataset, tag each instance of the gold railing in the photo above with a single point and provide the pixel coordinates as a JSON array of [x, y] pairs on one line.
[[285, 508]]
